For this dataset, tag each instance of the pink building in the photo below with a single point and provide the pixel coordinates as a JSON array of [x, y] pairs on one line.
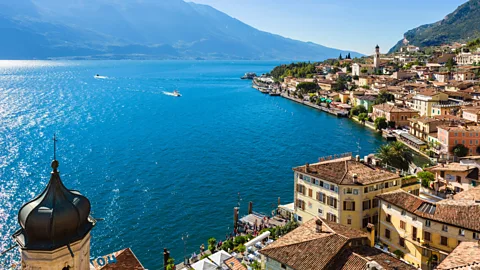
[[469, 136]]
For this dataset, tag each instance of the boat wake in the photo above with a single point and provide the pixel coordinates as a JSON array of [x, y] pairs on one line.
[[168, 93], [100, 77]]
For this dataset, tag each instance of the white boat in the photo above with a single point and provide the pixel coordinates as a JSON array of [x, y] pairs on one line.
[[175, 93]]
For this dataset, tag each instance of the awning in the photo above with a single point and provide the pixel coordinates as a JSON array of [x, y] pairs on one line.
[[257, 239]]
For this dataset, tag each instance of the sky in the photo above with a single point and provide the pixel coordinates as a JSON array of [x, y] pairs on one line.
[[356, 25]]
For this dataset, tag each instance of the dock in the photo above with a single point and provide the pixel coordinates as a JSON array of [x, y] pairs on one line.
[[336, 112]]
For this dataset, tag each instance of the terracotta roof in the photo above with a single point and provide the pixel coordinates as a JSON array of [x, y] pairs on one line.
[[464, 255], [472, 194], [392, 108], [125, 260], [234, 264], [454, 212], [460, 128], [306, 249], [429, 92], [343, 170], [454, 167], [358, 257]]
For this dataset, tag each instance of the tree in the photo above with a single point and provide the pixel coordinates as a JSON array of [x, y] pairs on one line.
[[240, 248], [307, 87], [395, 154], [355, 77], [383, 97], [212, 244], [450, 64], [363, 70], [399, 253], [426, 178], [170, 264], [460, 150], [340, 84], [227, 245], [363, 117], [340, 57], [357, 110], [381, 123]]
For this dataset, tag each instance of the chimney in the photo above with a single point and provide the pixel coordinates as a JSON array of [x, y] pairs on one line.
[[166, 256], [307, 167], [318, 224], [357, 158], [371, 236], [355, 178], [250, 207]]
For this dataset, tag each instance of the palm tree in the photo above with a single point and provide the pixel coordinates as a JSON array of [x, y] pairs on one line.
[[395, 154]]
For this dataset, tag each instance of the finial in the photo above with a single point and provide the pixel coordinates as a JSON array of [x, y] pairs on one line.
[[55, 161]]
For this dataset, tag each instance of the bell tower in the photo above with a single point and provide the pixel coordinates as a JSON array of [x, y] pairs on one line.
[[55, 228], [376, 57]]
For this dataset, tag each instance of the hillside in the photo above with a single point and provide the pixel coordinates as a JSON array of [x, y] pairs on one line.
[[167, 29], [459, 26]]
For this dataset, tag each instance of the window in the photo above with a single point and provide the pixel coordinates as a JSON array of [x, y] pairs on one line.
[[386, 185], [388, 218], [349, 221], [306, 178], [461, 232], [476, 236], [301, 204], [365, 190], [442, 174], [301, 189], [427, 236], [365, 222], [299, 218], [348, 206], [427, 223], [348, 191], [331, 217], [284, 266], [355, 192], [389, 206], [404, 212], [443, 241], [310, 191], [301, 176], [326, 185], [414, 233], [332, 187], [332, 202], [401, 242], [375, 219], [321, 183], [402, 225], [459, 179], [387, 233], [445, 228], [366, 205], [414, 218], [374, 203]]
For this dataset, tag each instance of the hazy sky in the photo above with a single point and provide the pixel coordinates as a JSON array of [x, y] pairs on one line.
[[344, 24]]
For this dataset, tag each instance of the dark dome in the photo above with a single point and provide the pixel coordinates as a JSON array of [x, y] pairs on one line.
[[377, 47], [55, 218]]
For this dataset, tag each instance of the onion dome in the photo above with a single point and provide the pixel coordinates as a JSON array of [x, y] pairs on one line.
[[377, 47], [56, 218]]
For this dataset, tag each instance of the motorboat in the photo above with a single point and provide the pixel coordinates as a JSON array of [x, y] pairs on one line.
[[176, 93]]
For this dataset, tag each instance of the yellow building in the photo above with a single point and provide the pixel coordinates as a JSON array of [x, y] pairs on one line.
[[455, 176], [343, 190], [427, 232], [423, 101]]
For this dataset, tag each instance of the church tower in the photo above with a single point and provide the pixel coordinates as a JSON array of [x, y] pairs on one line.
[[55, 228], [376, 57]]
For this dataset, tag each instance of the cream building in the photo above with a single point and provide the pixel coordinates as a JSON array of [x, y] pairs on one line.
[[423, 101], [343, 190], [427, 232]]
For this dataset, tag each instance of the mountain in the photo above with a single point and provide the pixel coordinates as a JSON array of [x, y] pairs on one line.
[[459, 26], [166, 29]]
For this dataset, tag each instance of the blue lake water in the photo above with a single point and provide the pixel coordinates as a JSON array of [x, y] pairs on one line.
[[156, 166]]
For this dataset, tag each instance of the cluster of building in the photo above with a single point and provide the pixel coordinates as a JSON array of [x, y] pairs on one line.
[[357, 215], [435, 104]]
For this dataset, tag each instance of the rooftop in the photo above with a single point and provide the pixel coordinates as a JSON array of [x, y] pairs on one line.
[[346, 171], [460, 128], [392, 108], [454, 212], [305, 248], [126, 259], [465, 256], [454, 166]]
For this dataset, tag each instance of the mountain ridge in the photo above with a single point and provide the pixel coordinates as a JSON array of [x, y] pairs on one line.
[[461, 25], [167, 29]]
